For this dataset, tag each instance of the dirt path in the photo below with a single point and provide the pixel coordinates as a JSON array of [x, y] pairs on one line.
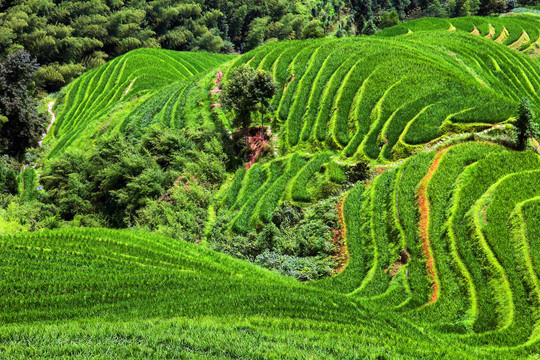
[[53, 118]]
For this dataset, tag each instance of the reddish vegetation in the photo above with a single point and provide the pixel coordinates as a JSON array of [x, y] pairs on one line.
[[256, 144], [423, 203], [340, 243]]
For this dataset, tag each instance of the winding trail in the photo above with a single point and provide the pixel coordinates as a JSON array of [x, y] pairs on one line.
[[53, 118]]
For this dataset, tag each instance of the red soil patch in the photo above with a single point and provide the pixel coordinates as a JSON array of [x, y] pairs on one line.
[[424, 206], [257, 145], [342, 253]]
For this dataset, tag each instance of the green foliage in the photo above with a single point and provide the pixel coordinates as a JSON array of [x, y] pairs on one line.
[[312, 30], [295, 242], [388, 19], [369, 28], [524, 124], [28, 184], [128, 184], [245, 91], [70, 37], [21, 124], [8, 176]]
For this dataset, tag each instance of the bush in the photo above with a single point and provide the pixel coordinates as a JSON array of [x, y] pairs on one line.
[[164, 182], [388, 19], [297, 242], [358, 172]]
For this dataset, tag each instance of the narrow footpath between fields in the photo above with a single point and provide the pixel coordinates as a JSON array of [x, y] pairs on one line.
[[53, 118]]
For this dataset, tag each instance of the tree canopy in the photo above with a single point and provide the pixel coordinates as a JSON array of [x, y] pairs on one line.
[[20, 123], [245, 91], [70, 37]]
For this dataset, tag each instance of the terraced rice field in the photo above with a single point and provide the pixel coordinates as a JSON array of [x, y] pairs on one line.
[[253, 195], [442, 245], [518, 32], [86, 293], [362, 98], [468, 273], [127, 94], [443, 264], [385, 98]]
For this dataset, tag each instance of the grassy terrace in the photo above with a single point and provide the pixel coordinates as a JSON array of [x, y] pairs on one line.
[[481, 281], [518, 32], [257, 192], [127, 94], [361, 99], [377, 306], [443, 257], [153, 296], [354, 99], [165, 292]]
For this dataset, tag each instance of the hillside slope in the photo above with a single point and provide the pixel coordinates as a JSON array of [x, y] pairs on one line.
[[446, 239], [518, 32], [383, 98], [369, 97], [100, 287], [143, 295], [127, 94], [442, 257]]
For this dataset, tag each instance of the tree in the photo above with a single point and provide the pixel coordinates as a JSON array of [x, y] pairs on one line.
[[21, 125], [524, 124], [435, 9], [313, 30], [246, 91], [388, 19], [362, 11], [488, 7], [256, 35], [369, 28]]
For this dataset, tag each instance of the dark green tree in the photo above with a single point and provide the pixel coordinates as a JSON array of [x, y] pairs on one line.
[[8, 176], [488, 7], [388, 19], [246, 91], [369, 28], [21, 125], [313, 30], [362, 11], [524, 124]]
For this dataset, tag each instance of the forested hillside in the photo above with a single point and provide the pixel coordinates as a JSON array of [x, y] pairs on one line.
[[69, 37], [219, 179]]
